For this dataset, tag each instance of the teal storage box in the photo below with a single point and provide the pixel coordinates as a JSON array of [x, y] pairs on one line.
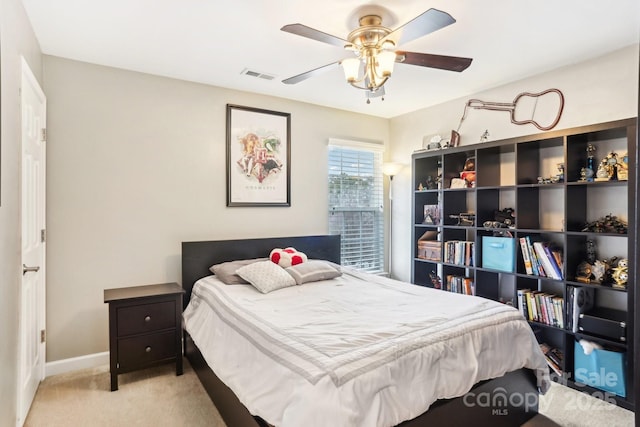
[[601, 369], [498, 253]]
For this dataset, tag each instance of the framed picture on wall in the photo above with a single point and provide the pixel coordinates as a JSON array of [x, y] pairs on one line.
[[258, 157]]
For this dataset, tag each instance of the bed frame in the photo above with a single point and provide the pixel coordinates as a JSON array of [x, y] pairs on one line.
[[506, 401]]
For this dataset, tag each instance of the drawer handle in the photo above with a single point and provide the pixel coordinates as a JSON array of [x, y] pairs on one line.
[[147, 319], [148, 349]]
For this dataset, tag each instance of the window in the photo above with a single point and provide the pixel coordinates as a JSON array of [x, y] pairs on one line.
[[355, 203]]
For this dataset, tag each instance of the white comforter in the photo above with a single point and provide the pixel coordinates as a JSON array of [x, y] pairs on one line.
[[358, 350]]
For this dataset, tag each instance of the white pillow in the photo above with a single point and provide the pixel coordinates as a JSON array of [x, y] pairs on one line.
[[266, 276], [313, 271]]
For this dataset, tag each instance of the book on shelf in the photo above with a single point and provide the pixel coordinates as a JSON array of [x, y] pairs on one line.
[[557, 255], [547, 265], [535, 264], [522, 302], [553, 256], [554, 357], [544, 314], [569, 307], [558, 306], [531, 314], [525, 256]]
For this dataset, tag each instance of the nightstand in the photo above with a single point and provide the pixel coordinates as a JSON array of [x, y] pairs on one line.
[[145, 327]]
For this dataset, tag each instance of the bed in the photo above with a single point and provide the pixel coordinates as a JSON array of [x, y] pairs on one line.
[[341, 380]]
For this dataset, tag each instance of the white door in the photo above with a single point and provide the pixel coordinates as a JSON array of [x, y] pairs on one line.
[[31, 351]]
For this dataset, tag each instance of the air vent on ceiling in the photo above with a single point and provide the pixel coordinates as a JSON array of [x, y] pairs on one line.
[[257, 74]]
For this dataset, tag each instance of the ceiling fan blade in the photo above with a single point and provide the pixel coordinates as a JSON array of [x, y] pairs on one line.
[[430, 21], [312, 33], [442, 62], [308, 74]]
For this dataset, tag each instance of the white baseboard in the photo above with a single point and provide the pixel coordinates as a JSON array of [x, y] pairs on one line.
[[75, 363]]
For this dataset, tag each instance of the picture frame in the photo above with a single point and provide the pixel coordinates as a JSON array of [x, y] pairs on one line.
[[431, 215], [258, 157]]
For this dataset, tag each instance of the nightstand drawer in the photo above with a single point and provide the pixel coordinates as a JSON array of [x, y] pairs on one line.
[[146, 318], [144, 327], [143, 350]]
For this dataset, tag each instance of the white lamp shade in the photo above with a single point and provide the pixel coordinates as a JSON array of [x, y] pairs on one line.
[[391, 169], [386, 60], [351, 68]]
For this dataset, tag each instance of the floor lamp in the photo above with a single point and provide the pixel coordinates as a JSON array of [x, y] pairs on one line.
[[390, 170]]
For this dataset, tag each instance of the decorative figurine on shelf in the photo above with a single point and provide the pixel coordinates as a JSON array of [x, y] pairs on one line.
[[612, 162], [435, 143], [560, 176], [432, 183], [435, 280], [598, 270], [465, 219], [623, 168], [590, 170], [620, 274], [505, 216], [469, 172], [608, 224], [591, 270], [591, 251], [583, 272], [602, 173], [485, 136]]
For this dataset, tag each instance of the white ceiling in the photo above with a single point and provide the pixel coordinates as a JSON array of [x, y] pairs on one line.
[[212, 42]]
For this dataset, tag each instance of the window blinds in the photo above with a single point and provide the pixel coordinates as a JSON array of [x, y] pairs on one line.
[[356, 203]]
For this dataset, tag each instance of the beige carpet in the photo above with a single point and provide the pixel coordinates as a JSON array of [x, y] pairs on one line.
[[151, 397], [571, 408], [156, 397]]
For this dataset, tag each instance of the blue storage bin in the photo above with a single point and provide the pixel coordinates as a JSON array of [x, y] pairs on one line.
[[498, 253], [601, 369]]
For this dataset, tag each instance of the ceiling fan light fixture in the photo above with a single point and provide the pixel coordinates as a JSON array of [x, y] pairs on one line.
[[374, 46], [385, 61], [351, 68]]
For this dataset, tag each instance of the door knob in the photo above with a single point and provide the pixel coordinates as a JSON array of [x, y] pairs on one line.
[[26, 269]]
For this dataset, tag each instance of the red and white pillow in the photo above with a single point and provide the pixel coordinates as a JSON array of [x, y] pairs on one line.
[[287, 257]]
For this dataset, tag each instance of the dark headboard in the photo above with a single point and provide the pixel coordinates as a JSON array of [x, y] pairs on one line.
[[197, 257]]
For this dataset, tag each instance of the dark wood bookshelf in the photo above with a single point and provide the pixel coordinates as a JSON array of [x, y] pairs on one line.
[[507, 174]]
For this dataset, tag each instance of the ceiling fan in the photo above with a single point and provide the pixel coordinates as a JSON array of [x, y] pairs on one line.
[[374, 48]]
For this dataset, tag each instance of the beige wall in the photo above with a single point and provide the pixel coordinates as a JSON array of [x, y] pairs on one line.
[[136, 165], [16, 40], [599, 90]]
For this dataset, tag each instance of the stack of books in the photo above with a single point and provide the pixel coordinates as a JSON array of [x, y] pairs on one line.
[[541, 307], [541, 259], [554, 357], [460, 285], [458, 252]]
